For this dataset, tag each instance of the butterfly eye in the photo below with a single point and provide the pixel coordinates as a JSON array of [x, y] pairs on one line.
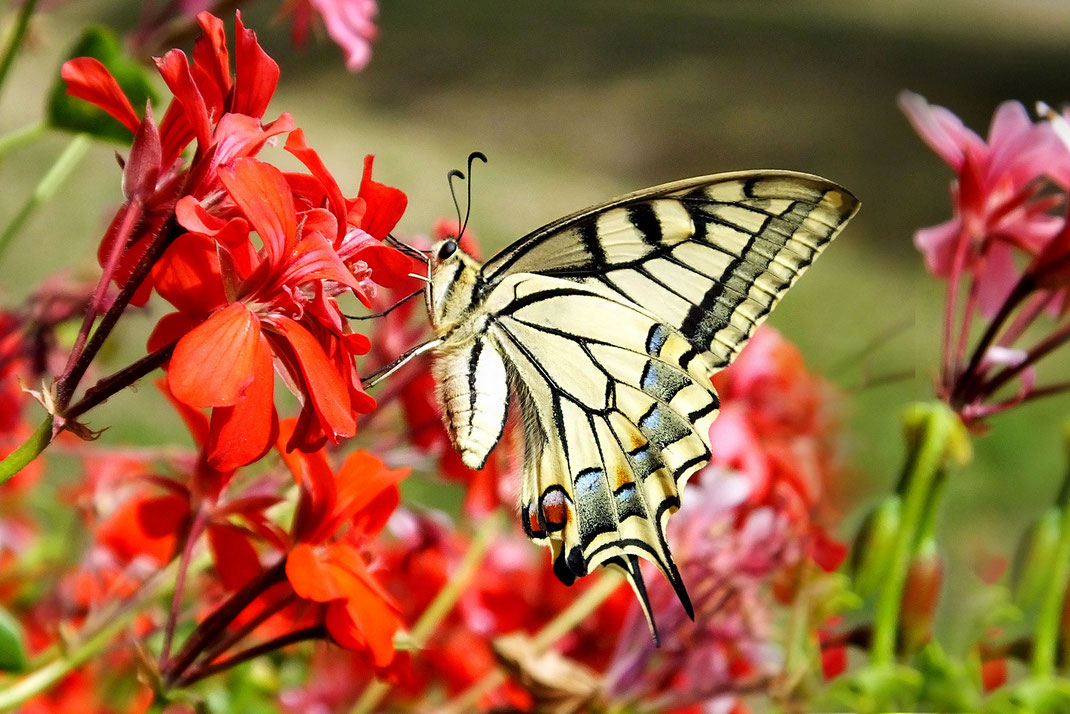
[[448, 248]]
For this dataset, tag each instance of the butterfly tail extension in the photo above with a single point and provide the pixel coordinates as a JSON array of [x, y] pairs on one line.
[[630, 567]]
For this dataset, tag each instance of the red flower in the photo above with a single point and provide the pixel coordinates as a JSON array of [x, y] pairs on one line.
[[325, 567], [221, 112], [243, 311]]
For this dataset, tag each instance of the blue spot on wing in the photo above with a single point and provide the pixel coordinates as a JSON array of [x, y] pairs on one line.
[[656, 339]]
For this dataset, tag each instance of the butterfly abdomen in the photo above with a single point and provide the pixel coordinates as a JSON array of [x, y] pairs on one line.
[[474, 395]]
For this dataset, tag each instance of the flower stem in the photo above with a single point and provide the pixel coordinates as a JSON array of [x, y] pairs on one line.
[[46, 187], [117, 381], [440, 607], [195, 527], [312, 632], [157, 246], [18, 35], [30, 450], [561, 625], [93, 642], [131, 215], [215, 625], [931, 431], [20, 137], [1046, 634]]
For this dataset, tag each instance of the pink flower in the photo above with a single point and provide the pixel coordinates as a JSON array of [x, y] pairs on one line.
[[726, 563], [350, 23], [999, 203]]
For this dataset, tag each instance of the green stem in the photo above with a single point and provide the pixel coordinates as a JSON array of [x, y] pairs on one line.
[[935, 424], [47, 187], [557, 628], [440, 607], [21, 137], [1046, 635], [18, 35], [30, 450], [92, 645]]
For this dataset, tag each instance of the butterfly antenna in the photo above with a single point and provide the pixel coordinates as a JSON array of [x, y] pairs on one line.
[[387, 311], [468, 209], [408, 249], [454, 173]]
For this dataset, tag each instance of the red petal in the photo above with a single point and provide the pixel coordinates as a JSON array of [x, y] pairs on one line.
[[236, 561], [256, 74], [323, 385], [296, 145], [170, 328], [188, 275], [87, 78], [194, 419], [262, 194], [385, 204], [214, 364], [174, 68], [243, 433], [367, 491], [210, 54], [312, 578]]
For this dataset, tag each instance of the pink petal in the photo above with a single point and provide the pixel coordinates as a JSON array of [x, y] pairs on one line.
[[351, 24], [996, 278], [938, 244], [939, 128], [215, 363]]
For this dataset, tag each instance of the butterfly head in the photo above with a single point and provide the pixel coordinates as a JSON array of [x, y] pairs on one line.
[[454, 278]]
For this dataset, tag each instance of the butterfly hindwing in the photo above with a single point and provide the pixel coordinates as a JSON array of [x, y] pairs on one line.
[[615, 424]]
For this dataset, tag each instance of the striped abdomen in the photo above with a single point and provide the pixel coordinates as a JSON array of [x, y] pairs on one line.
[[474, 394]]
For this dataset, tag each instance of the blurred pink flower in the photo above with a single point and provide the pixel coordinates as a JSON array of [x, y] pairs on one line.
[[350, 23], [726, 562], [998, 195]]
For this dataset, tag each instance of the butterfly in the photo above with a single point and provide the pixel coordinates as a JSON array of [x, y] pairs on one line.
[[604, 328]]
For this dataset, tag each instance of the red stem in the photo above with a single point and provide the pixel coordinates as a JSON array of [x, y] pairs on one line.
[[108, 386], [963, 392], [950, 370], [312, 632], [215, 625], [238, 635], [158, 245], [195, 528], [132, 214], [1025, 318], [1042, 348]]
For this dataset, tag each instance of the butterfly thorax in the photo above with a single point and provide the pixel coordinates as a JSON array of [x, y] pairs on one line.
[[455, 280]]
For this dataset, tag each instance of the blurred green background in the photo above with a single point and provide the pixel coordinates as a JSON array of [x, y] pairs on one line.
[[576, 102]]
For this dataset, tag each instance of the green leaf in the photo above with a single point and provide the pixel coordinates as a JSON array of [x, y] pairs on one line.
[[12, 651], [77, 115]]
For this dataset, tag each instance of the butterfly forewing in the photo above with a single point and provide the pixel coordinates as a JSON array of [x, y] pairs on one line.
[[609, 324]]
